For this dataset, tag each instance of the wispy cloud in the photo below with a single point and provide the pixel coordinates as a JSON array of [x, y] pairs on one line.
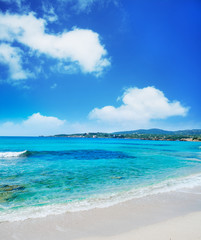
[[49, 12], [12, 57], [85, 5]]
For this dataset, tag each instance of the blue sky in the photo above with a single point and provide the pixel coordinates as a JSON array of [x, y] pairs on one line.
[[97, 65]]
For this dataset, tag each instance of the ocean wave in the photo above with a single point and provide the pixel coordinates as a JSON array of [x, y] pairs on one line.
[[101, 200], [71, 154], [13, 154]]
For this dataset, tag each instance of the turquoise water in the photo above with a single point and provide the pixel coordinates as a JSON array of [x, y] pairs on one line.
[[42, 176]]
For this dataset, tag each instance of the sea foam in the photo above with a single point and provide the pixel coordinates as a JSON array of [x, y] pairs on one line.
[[12, 154], [102, 200]]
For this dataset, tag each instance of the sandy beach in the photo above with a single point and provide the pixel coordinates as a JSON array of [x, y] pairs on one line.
[[173, 215], [100, 121], [181, 228]]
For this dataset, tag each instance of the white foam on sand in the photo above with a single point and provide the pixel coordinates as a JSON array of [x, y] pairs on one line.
[[101, 201]]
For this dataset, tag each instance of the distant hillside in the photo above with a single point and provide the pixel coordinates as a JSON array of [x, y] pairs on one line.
[[189, 132], [145, 131], [144, 134], [157, 131]]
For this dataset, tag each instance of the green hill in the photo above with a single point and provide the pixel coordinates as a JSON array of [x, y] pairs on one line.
[[157, 131]]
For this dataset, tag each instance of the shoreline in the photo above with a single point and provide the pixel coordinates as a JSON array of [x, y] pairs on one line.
[[145, 139], [136, 217], [105, 201]]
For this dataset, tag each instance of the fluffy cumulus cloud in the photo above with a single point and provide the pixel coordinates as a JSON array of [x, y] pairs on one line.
[[38, 124], [35, 124], [38, 120], [140, 106], [81, 47]]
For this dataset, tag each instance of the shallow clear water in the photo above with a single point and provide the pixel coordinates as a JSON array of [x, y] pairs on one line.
[[41, 176]]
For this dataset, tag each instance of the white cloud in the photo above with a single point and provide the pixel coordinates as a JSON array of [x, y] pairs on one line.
[[82, 5], [80, 46], [38, 120], [12, 57], [38, 124], [49, 13], [34, 125], [140, 106]]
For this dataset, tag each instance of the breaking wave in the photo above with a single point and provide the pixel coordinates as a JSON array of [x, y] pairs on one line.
[[13, 154], [72, 154]]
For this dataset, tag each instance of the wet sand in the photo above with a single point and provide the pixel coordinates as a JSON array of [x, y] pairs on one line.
[[173, 215]]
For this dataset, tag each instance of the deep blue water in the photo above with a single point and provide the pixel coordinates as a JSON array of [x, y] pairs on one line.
[[41, 176]]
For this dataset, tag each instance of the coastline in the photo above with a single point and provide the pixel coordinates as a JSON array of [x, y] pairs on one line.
[[138, 138], [173, 215], [154, 134]]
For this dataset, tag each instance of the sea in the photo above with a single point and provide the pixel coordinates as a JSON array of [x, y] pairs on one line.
[[41, 176]]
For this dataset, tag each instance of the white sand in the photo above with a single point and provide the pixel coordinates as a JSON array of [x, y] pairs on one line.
[[174, 215], [187, 227]]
